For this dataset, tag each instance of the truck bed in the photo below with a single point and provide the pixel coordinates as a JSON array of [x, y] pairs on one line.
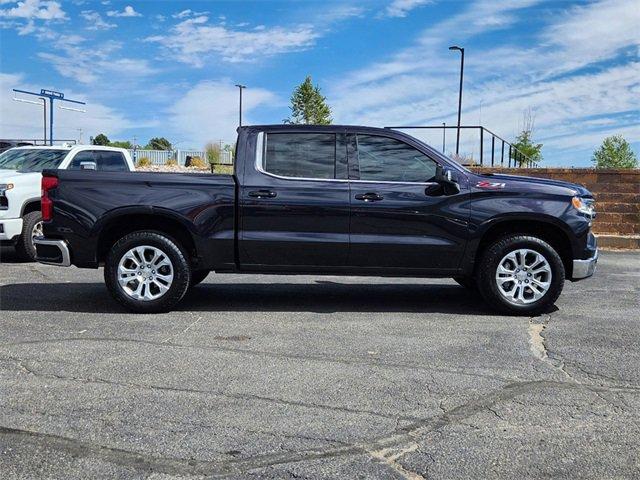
[[88, 202]]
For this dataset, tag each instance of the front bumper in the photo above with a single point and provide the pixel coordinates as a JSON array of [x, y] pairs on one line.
[[52, 252], [10, 228], [584, 268]]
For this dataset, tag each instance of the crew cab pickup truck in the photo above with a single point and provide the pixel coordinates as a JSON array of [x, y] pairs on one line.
[[340, 200], [20, 218]]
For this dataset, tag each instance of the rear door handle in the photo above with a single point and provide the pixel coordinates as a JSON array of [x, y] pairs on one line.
[[369, 197], [263, 194]]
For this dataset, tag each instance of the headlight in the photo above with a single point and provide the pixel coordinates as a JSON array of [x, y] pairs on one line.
[[584, 205], [4, 187]]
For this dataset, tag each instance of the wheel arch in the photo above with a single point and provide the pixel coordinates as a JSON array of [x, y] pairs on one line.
[[546, 228], [118, 224], [31, 205]]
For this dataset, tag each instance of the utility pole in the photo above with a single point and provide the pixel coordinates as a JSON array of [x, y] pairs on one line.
[[461, 50], [51, 95], [240, 87], [80, 140]]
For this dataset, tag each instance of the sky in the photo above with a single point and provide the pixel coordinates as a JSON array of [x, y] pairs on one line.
[[164, 68]]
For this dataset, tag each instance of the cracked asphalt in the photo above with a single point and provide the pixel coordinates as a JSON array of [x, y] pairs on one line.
[[317, 377]]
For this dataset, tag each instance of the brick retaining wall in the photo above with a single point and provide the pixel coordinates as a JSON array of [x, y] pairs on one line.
[[617, 194]]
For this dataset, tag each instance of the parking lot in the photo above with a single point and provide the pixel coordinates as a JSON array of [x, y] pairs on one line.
[[317, 377]]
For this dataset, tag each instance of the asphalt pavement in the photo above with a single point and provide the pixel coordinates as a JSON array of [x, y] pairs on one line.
[[317, 377]]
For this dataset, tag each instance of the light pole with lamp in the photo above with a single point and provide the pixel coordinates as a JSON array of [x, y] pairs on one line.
[[240, 87], [44, 114], [461, 50]]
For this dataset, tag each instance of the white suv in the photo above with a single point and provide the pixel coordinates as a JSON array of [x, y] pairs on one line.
[[20, 177]]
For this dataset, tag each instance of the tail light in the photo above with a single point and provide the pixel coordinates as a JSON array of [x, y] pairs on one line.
[[46, 204]]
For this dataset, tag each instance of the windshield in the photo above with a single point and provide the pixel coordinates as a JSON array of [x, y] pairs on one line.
[[31, 160]]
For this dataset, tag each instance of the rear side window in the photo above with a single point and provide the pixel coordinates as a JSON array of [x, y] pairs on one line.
[[390, 160], [300, 155], [112, 162]]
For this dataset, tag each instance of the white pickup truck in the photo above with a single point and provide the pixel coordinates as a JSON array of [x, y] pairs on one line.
[[20, 177]]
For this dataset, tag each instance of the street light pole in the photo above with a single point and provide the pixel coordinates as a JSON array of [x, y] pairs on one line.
[[461, 50], [444, 136], [240, 87]]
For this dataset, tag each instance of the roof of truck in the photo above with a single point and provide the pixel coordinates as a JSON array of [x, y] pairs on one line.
[[68, 147]]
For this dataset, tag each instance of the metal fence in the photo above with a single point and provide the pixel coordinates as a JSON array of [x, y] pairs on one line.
[[161, 157], [493, 150]]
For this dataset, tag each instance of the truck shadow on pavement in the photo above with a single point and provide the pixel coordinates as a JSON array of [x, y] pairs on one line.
[[321, 296]]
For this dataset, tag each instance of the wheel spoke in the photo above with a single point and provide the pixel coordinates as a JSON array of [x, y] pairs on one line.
[[523, 276], [139, 275]]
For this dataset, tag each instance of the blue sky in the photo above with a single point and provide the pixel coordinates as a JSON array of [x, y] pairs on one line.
[[163, 68]]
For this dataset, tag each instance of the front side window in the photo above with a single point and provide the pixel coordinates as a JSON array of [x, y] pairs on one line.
[[300, 155], [389, 160], [82, 157]]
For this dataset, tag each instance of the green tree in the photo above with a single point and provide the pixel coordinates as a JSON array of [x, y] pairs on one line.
[[159, 143], [308, 105], [212, 150], [615, 152], [524, 143], [121, 144], [100, 139]]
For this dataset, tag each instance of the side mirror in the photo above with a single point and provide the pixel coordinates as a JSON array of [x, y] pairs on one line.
[[444, 177], [88, 166]]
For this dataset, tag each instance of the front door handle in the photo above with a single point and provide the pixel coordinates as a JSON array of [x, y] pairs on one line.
[[263, 194], [369, 197]]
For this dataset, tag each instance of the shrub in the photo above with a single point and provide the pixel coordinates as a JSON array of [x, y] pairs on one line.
[[144, 162], [172, 162], [199, 163]]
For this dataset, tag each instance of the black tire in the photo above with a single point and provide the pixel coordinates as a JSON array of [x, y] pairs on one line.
[[488, 266], [25, 248], [178, 258], [467, 282], [197, 276]]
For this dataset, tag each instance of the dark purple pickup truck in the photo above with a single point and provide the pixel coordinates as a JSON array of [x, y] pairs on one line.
[[333, 200]]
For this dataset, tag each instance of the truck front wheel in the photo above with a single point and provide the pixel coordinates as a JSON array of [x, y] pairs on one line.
[[31, 228], [147, 272], [520, 274]]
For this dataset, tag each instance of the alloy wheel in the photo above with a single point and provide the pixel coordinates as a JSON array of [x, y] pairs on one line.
[[523, 276], [145, 273]]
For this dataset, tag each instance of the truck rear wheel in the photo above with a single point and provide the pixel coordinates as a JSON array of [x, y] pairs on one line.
[[31, 227], [147, 272], [520, 274]]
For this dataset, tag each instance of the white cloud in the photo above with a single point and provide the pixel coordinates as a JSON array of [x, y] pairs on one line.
[[35, 9], [95, 21], [21, 120], [192, 41], [188, 13], [209, 111], [128, 11], [574, 107], [400, 8], [71, 61]]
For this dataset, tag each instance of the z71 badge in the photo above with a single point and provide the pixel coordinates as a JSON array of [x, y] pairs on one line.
[[493, 185]]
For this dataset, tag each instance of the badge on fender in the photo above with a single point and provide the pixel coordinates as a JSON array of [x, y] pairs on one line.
[[486, 184]]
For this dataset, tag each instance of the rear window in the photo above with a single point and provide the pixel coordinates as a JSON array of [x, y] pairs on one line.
[[300, 155]]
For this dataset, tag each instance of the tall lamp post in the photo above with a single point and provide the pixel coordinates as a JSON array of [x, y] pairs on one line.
[[44, 113], [240, 87], [461, 50]]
